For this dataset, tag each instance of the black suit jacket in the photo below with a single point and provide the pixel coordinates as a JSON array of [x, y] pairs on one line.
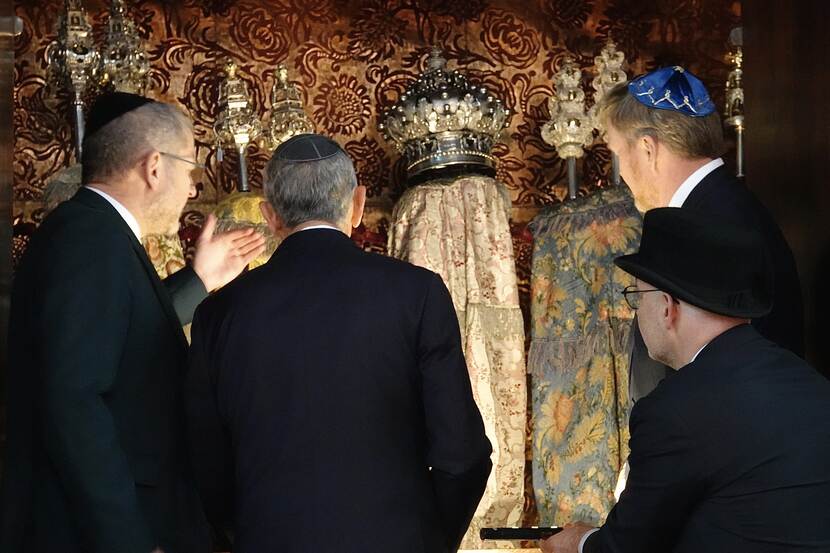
[[729, 455], [330, 407], [96, 458], [722, 194]]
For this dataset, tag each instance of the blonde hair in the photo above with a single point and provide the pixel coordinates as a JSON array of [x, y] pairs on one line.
[[690, 137]]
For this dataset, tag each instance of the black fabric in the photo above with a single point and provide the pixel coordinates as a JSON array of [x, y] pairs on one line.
[[95, 455], [703, 260], [322, 388], [721, 193], [307, 147], [110, 106], [729, 455]]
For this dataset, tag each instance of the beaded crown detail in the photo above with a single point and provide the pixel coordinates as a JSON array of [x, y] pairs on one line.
[[444, 121]]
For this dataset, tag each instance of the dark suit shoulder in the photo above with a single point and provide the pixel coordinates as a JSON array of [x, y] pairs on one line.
[[343, 262], [74, 235], [736, 372], [722, 193]]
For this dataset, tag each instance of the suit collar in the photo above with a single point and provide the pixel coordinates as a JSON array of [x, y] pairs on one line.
[[708, 184], [94, 200], [691, 182], [125, 214], [318, 239], [727, 343], [97, 202]]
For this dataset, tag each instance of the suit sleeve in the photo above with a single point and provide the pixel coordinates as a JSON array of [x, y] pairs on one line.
[[664, 484], [187, 291], [458, 449], [82, 316], [208, 435]]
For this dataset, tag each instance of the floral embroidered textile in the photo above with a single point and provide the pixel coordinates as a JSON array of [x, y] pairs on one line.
[[578, 357], [459, 229]]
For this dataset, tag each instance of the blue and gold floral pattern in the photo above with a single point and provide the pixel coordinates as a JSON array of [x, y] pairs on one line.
[[578, 360]]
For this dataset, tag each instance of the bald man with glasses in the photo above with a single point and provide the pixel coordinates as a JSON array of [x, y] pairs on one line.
[[730, 454]]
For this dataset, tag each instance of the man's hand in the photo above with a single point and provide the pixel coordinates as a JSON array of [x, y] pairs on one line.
[[221, 257], [566, 541]]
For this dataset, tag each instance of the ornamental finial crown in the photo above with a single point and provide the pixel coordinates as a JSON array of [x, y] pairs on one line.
[[444, 120]]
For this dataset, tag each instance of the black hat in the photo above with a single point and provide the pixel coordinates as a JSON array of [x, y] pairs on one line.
[[307, 147], [703, 260], [110, 106]]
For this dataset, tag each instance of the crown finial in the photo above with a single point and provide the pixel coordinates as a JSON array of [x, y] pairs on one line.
[[287, 117], [436, 59]]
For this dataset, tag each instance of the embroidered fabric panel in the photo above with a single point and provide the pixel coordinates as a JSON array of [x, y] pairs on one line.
[[459, 229], [578, 359]]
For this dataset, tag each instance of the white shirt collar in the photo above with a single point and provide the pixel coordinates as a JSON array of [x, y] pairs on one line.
[[131, 221], [698, 353], [692, 181], [321, 226]]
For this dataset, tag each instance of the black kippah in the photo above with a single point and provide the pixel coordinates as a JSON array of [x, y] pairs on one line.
[[110, 106], [307, 147]]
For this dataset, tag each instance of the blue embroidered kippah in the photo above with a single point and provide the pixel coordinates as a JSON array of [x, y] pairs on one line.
[[674, 89]]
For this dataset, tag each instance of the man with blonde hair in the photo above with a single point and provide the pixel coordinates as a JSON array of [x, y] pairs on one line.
[[664, 128]]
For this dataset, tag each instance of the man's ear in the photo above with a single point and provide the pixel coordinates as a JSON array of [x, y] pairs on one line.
[[150, 169], [273, 220], [671, 310], [650, 148], [358, 205]]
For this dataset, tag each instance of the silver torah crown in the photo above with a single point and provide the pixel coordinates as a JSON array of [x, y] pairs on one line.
[[443, 120]]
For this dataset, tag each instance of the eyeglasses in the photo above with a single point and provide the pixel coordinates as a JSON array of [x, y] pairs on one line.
[[632, 295], [195, 173]]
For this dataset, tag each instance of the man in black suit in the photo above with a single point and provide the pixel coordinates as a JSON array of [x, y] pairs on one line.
[[328, 400], [96, 458], [668, 137], [730, 454]]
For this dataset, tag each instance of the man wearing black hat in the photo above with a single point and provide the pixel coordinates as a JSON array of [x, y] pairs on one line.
[[668, 136], [311, 431], [729, 455], [96, 453]]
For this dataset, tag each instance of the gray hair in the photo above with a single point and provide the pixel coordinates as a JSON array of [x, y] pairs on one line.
[[118, 145], [301, 191]]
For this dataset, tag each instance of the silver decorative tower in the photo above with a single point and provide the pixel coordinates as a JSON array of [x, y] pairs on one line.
[[287, 117], [734, 113], [73, 62], [609, 73], [124, 62], [570, 129], [237, 125]]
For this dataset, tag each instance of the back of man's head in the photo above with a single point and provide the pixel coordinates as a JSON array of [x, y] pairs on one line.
[[689, 137], [310, 178], [118, 145]]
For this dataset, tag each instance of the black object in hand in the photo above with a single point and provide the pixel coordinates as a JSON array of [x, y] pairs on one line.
[[515, 533]]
